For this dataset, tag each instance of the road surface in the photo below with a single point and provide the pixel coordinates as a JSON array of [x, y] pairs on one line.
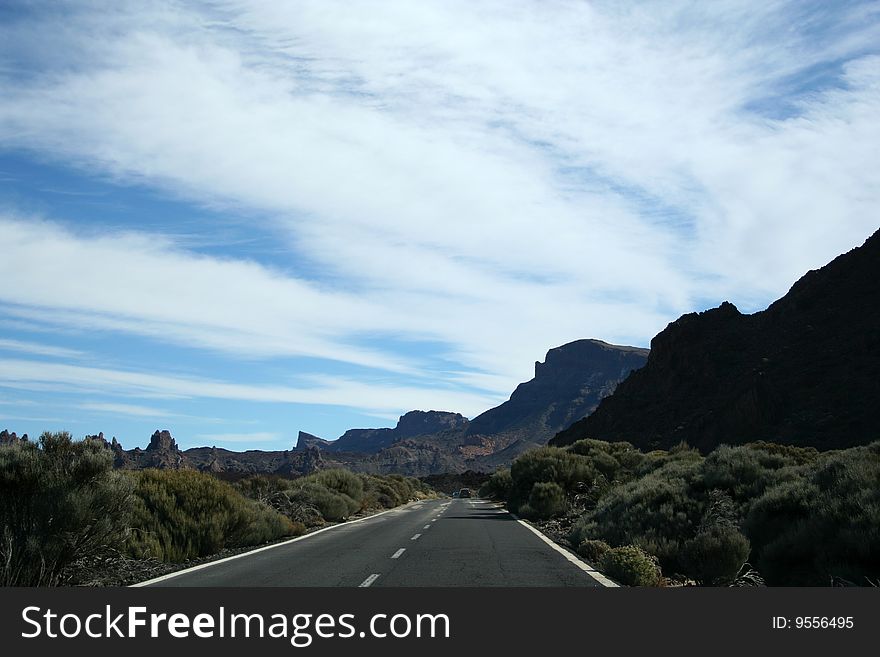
[[447, 542]]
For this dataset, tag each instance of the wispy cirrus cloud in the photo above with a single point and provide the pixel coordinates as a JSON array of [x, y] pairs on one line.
[[375, 397], [39, 349], [457, 186], [127, 409]]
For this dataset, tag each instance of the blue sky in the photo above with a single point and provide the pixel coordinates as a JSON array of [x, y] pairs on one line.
[[240, 219]]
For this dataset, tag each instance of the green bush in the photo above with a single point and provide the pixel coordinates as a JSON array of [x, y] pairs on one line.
[[630, 565], [498, 485], [548, 464], [331, 495], [825, 525], [332, 505], [59, 501], [746, 472], [615, 461], [182, 514], [656, 512], [547, 499], [344, 482], [800, 516], [715, 555], [593, 550]]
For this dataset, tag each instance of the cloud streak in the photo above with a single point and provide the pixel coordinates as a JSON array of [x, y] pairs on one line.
[[458, 186], [373, 398]]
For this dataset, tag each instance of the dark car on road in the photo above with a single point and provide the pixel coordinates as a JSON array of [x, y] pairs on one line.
[[465, 492]]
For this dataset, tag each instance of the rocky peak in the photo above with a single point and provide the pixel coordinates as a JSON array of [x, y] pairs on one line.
[[582, 355], [163, 452], [422, 423], [10, 438], [306, 440], [162, 441], [567, 386]]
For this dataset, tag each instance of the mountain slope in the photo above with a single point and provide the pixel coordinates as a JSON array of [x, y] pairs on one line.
[[567, 386], [805, 371]]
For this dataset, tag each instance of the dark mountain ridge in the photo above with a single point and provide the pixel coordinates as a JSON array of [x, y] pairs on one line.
[[805, 371]]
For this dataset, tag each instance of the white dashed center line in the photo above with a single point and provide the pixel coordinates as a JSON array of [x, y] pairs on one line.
[[427, 527], [397, 554], [415, 537], [372, 578]]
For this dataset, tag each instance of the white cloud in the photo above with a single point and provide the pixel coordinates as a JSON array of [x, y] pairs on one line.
[[126, 410], [372, 397], [38, 348], [498, 178]]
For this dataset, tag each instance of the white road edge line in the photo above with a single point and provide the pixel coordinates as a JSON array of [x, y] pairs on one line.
[[372, 578], [595, 574], [415, 537], [262, 549], [397, 554]]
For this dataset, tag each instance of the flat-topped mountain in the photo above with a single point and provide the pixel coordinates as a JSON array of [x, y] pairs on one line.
[[410, 425], [805, 371], [567, 386]]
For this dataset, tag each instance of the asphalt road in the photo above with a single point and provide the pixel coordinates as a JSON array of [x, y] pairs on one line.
[[452, 542]]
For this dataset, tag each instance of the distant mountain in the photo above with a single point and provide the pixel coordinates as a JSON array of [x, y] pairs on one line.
[[567, 386], [410, 425], [305, 440], [805, 371], [163, 453]]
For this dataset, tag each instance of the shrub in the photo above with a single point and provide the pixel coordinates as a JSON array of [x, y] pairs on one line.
[[826, 525], [593, 550], [632, 566], [657, 459], [331, 495], [715, 555], [498, 485], [657, 512], [548, 464], [59, 501], [746, 472], [547, 499], [615, 461], [332, 505], [792, 453], [342, 481], [182, 514]]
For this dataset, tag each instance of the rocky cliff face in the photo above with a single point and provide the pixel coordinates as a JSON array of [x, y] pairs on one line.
[[162, 452], [567, 386], [805, 371], [305, 440], [410, 425]]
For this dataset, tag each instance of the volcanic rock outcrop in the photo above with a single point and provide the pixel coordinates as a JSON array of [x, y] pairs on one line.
[[805, 371]]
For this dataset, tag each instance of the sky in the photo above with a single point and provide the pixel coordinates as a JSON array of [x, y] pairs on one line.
[[239, 219]]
